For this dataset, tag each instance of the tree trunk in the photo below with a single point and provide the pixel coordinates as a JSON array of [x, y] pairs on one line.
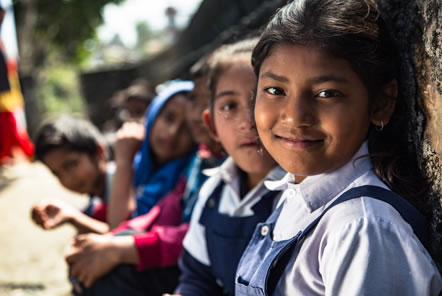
[[416, 24], [32, 53]]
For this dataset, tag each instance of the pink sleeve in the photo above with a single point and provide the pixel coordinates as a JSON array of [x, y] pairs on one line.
[[166, 212], [161, 246]]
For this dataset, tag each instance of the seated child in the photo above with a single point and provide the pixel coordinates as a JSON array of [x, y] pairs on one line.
[[234, 199], [75, 152], [144, 262], [165, 153], [328, 110]]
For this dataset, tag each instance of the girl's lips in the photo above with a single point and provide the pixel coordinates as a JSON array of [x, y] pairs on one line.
[[299, 143], [167, 144], [249, 143], [197, 128]]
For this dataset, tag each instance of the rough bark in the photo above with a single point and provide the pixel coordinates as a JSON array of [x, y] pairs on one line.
[[416, 24]]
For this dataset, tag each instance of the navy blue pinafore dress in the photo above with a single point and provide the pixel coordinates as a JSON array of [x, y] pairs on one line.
[[264, 260], [227, 237]]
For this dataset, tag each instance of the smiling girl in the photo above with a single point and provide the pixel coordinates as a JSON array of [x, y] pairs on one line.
[[328, 110]]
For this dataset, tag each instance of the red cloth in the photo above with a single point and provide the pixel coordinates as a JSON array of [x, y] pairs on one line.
[[10, 137], [99, 211], [161, 239]]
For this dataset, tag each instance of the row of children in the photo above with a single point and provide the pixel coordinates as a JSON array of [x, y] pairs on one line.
[[306, 208]]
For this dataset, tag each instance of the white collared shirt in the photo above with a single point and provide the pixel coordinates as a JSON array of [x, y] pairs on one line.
[[360, 247], [231, 204]]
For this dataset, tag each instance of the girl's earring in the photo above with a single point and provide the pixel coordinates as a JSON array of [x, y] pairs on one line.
[[381, 127], [260, 151]]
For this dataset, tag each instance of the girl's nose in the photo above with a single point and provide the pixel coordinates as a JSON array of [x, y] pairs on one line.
[[297, 112], [174, 128], [245, 119]]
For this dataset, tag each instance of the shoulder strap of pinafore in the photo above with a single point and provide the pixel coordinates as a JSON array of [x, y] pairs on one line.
[[408, 212]]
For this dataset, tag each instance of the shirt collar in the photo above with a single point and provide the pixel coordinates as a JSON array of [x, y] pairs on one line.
[[319, 189], [229, 173]]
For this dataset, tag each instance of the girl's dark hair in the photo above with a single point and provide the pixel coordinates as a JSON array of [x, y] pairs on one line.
[[354, 31], [200, 69], [73, 134], [223, 58]]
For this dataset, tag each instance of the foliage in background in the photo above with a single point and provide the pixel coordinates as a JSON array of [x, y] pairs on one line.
[[53, 44], [60, 90], [57, 40], [64, 24]]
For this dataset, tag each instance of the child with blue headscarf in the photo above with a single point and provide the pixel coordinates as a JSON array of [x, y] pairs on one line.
[[142, 177]]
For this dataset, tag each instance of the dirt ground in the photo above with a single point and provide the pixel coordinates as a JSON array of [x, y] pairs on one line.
[[31, 259]]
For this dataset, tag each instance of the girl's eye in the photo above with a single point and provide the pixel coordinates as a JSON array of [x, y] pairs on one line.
[[228, 107], [192, 98], [276, 91], [329, 93], [169, 117]]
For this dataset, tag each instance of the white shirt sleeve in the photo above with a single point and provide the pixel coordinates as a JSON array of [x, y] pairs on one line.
[[195, 239], [372, 256]]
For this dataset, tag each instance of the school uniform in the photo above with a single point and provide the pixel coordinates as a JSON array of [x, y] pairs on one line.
[[361, 246], [222, 223]]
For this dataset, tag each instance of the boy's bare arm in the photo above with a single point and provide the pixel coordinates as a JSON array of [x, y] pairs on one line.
[[86, 224], [122, 199], [51, 214]]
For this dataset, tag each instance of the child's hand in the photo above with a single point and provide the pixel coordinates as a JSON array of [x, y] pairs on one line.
[[129, 139], [51, 214], [93, 256]]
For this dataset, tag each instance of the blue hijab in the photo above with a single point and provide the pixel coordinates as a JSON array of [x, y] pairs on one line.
[[153, 183]]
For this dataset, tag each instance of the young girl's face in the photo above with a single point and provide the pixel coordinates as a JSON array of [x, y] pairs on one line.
[[232, 120], [312, 111], [170, 136], [77, 171]]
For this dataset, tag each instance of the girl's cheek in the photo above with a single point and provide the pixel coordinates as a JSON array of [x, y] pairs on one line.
[[225, 118], [264, 117], [224, 115], [186, 141]]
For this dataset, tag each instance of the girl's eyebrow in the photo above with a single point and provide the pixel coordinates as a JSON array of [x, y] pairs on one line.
[[226, 93], [327, 78], [274, 77]]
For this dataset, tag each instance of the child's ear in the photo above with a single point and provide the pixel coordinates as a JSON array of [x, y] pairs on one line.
[[383, 108], [208, 123], [101, 152]]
